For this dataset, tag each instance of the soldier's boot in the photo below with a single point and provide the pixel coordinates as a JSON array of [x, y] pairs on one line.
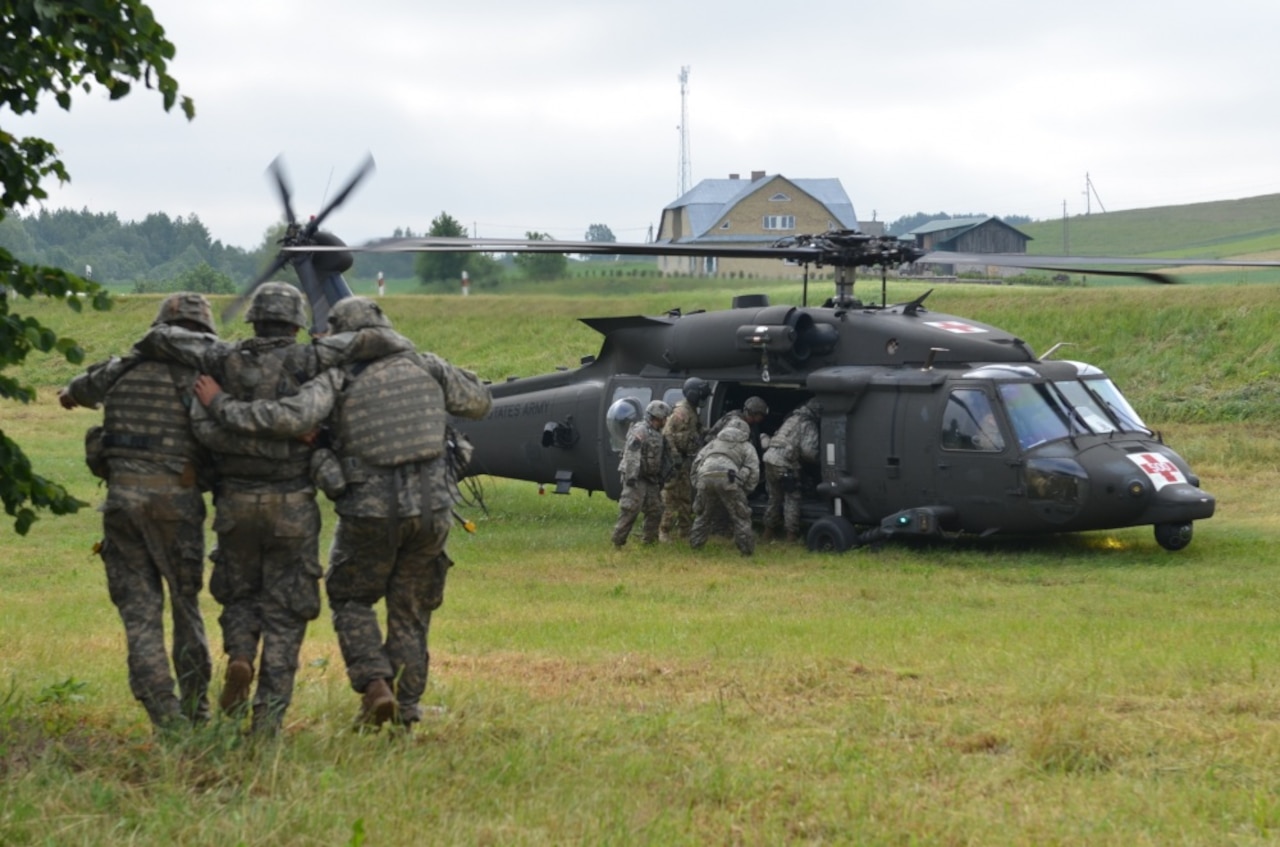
[[378, 704], [767, 535], [664, 536], [235, 685], [792, 536]]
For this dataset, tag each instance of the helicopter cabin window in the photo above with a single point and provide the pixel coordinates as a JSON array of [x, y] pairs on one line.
[[969, 422], [627, 407], [779, 222]]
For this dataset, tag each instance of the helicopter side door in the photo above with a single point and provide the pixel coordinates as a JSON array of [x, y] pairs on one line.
[[977, 458]]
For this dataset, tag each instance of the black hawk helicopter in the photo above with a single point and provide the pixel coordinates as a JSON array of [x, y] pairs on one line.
[[931, 424]]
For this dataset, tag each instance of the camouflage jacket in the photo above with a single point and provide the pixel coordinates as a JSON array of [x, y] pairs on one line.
[[796, 441], [89, 390], [730, 450], [371, 492], [645, 455], [683, 433]]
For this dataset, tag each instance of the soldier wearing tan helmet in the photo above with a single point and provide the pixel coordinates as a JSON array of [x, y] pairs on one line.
[[153, 520], [643, 466]]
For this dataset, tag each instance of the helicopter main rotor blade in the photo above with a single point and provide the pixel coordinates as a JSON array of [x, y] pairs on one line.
[[276, 169], [366, 167], [233, 308]]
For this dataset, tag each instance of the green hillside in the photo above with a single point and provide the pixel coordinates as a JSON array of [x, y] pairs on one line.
[[1222, 229]]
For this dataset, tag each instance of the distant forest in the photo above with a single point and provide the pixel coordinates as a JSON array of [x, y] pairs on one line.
[[151, 254], [147, 254]]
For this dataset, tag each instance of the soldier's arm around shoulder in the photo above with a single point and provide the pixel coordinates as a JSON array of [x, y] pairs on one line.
[[465, 394], [172, 343], [361, 345], [287, 417], [90, 388]]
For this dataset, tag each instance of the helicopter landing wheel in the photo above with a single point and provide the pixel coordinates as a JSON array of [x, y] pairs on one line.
[[831, 535], [1173, 536]]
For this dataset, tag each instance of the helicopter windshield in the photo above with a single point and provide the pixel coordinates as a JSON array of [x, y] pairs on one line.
[[1047, 411]]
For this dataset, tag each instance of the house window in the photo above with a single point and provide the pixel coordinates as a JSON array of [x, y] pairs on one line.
[[708, 264], [779, 198], [724, 225], [779, 221]]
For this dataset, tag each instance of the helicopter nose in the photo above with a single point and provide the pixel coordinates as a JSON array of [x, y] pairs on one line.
[[1178, 503]]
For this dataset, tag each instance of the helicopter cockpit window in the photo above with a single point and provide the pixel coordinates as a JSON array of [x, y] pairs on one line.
[[627, 407], [969, 422], [1111, 398], [1036, 412]]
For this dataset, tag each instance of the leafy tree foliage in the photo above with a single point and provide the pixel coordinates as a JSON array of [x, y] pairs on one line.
[[542, 266], [443, 267], [202, 278], [153, 250], [602, 234], [52, 47]]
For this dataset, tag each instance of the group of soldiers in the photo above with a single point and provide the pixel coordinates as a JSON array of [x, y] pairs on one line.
[[263, 423], [687, 481]]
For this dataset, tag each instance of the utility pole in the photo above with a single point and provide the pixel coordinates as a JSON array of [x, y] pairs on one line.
[[1090, 191], [1066, 242], [686, 167]]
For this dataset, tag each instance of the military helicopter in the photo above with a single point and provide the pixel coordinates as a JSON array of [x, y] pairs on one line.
[[932, 424]]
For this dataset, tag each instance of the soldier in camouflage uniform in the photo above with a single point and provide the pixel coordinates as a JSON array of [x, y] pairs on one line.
[[387, 416], [266, 567], [643, 466], [793, 445], [724, 472], [153, 519], [683, 434]]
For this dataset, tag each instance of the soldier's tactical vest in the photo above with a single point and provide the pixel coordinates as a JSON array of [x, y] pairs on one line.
[[265, 369], [145, 415], [391, 413]]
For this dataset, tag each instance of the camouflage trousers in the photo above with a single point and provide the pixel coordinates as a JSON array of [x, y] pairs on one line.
[[266, 574], [677, 504], [784, 498], [402, 560], [153, 541], [718, 496], [641, 497]]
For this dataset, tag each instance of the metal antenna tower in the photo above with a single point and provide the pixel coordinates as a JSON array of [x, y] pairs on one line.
[[686, 167]]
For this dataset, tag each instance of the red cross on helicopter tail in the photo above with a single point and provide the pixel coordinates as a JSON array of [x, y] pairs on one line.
[[1158, 469], [955, 326]]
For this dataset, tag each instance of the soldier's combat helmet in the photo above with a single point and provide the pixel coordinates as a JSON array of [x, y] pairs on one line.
[[695, 391], [755, 406], [354, 313], [280, 302], [186, 307], [657, 410]]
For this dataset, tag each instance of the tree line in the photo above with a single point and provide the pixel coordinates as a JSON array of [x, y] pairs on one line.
[[160, 253]]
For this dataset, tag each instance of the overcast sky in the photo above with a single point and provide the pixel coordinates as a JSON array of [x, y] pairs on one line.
[[554, 115]]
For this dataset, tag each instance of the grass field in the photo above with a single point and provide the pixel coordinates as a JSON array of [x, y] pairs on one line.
[[1091, 689]]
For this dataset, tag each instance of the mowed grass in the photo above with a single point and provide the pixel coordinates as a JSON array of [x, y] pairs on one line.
[[1084, 689]]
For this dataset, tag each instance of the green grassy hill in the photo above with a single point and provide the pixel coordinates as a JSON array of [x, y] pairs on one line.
[[1225, 228]]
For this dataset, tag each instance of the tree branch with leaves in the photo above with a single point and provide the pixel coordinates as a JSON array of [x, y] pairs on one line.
[[54, 49]]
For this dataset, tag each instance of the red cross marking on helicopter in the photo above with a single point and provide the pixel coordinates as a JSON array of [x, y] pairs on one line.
[[955, 326], [1158, 468]]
